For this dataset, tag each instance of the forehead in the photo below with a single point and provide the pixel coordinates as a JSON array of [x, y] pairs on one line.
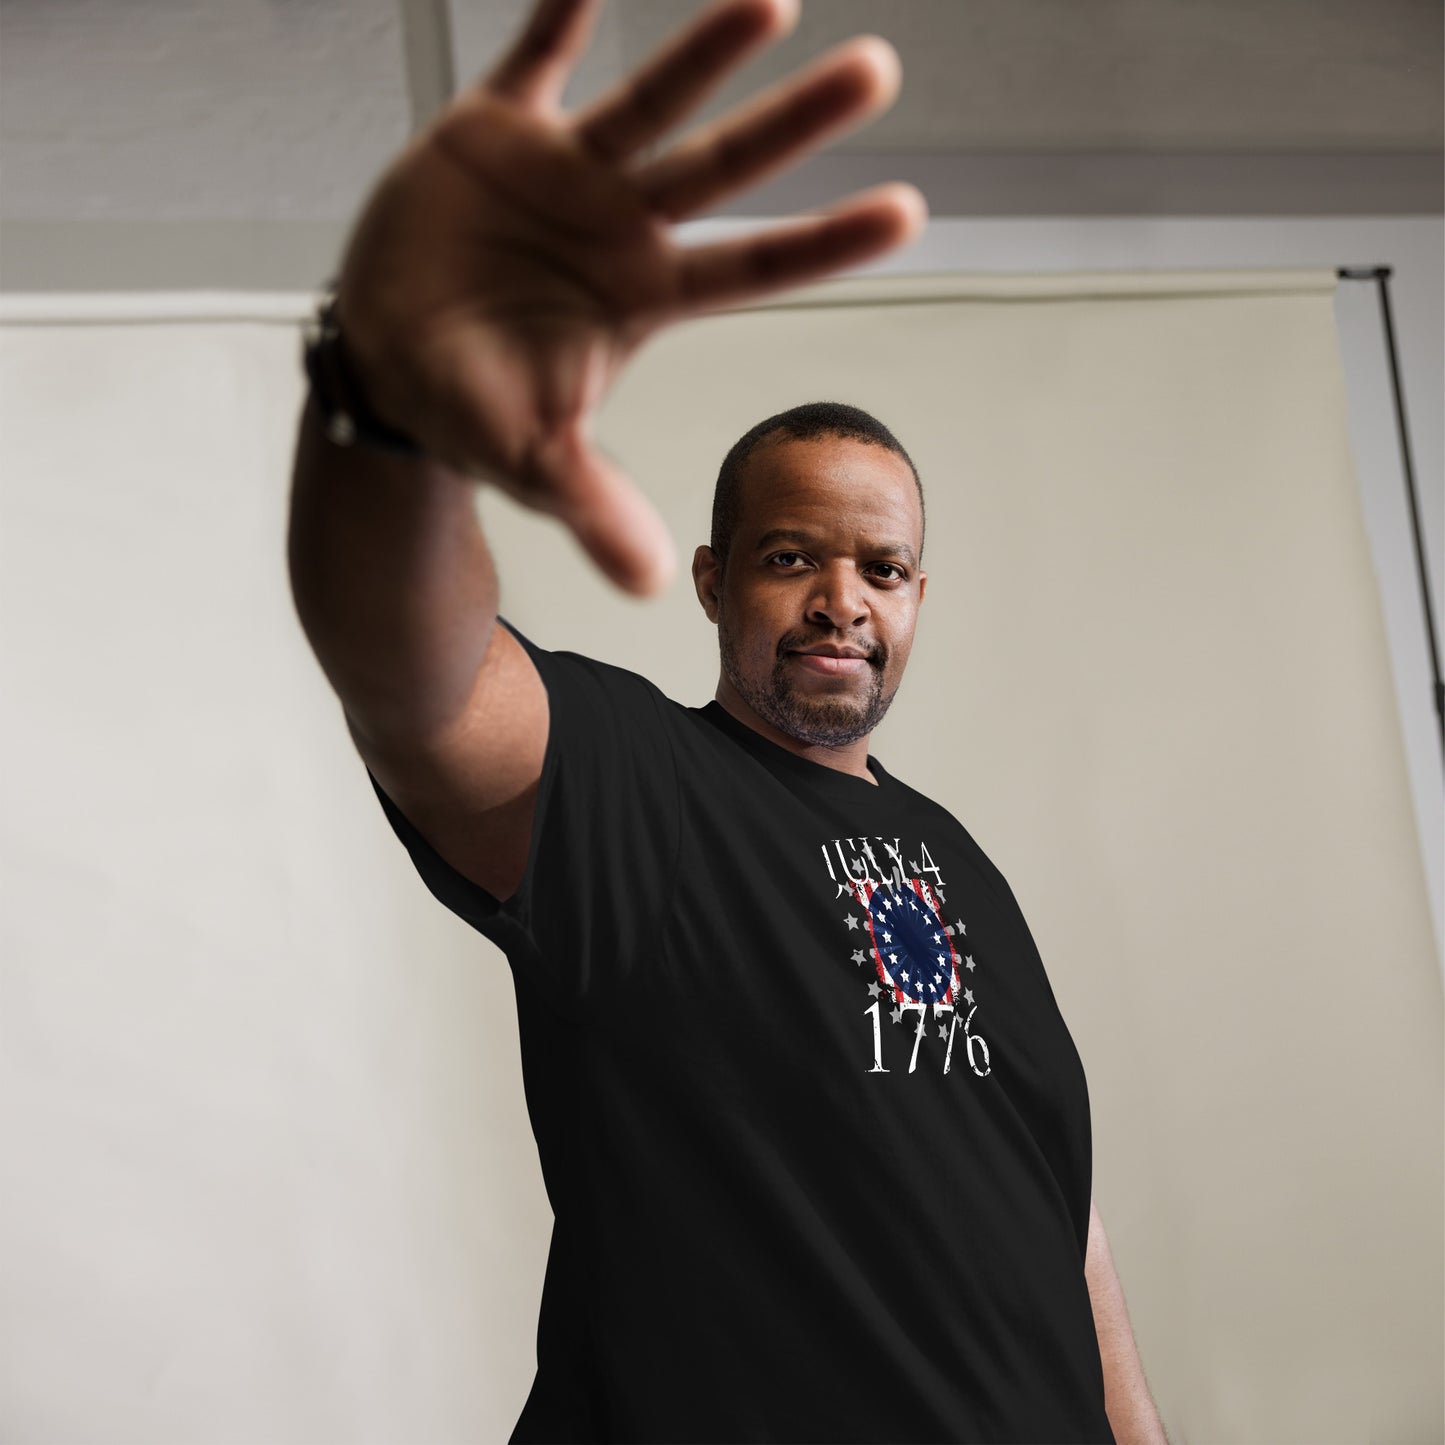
[[832, 484]]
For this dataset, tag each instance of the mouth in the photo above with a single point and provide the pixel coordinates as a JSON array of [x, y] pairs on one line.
[[829, 664]]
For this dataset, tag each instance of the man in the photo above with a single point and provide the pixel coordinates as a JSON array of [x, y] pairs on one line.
[[815, 1135]]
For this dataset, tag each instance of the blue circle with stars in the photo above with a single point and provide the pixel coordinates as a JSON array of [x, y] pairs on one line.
[[913, 944]]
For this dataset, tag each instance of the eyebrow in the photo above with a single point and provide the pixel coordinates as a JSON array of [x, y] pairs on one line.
[[807, 539]]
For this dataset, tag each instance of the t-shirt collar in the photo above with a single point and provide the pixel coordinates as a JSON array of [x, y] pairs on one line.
[[789, 764]]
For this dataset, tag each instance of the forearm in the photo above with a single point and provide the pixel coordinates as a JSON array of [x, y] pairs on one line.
[[1127, 1401], [1130, 1407], [392, 579]]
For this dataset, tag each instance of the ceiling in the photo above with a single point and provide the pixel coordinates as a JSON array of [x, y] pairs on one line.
[[1081, 75], [277, 113]]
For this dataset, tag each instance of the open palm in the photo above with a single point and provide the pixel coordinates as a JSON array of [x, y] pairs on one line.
[[512, 258]]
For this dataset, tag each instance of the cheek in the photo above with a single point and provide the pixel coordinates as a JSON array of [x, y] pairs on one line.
[[753, 627], [898, 652]]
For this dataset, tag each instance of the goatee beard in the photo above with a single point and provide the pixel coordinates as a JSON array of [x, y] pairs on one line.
[[830, 722]]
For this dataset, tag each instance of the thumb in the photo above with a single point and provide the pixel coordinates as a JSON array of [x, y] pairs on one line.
[[617, 526]]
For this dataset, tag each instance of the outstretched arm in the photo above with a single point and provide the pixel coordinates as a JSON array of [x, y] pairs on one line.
[[506, 265], [1131, 1410]]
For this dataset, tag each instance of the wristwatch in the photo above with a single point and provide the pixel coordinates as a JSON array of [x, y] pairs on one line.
[[345, 414]]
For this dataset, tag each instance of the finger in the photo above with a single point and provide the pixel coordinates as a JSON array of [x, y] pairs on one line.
[[849, 233], [616, 525], [845, 87], [535, 70], [678, 77]]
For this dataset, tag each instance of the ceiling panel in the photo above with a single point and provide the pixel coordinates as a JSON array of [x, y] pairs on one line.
[[1078, 75], [146, 113], [130, 110]]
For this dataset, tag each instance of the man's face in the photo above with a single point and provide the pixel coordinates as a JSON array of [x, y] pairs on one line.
[[825, 556]]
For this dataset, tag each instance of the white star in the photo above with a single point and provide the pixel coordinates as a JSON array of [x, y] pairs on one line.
[[852, 921], [935, 937], [942, 959], [874, 989], [968, 994], [961, 928], [857, 955], [893, 958], [896, 1015], [887, 938], [970, 960], [912, 866], [936, 977], [942, 1031]]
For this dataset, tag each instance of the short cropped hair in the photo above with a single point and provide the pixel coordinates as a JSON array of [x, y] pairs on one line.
[[798, 423]]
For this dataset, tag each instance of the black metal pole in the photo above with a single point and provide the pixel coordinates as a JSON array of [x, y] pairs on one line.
[[1381, 275]]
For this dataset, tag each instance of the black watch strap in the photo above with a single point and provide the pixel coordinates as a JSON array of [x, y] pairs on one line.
[[345, 413]]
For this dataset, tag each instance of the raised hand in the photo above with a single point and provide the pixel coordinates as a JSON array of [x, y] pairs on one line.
[[512, 258]]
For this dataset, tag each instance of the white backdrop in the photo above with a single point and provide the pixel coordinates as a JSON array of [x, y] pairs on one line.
[[267, 1172]]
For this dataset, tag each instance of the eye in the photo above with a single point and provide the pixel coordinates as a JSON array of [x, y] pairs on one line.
[[896, 573]]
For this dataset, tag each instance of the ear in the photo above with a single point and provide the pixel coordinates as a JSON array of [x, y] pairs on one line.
[[922, 584], [707, 580]]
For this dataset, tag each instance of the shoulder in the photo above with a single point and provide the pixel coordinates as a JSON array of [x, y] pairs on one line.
[[580, 676]]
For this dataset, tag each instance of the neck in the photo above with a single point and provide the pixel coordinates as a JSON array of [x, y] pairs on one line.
[[849, 758]]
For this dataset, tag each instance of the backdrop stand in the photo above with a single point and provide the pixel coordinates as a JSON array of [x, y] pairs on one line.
[[1381, 275]]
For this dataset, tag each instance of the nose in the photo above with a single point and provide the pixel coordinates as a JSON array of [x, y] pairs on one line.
[[840, 599]]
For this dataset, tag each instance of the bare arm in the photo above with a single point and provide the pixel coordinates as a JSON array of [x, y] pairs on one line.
[[1131, 1410], [393, 582], [397, 593]]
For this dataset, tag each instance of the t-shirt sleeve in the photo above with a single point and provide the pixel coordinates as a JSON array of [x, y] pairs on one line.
[[605, 833]]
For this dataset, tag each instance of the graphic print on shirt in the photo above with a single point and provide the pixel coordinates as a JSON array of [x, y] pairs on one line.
[[911, 954]]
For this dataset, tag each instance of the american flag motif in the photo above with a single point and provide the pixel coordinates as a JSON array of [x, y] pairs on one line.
[[913, 951], [912, 946]]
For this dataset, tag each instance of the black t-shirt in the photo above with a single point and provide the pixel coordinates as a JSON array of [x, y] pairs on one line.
[[815, 1135]]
